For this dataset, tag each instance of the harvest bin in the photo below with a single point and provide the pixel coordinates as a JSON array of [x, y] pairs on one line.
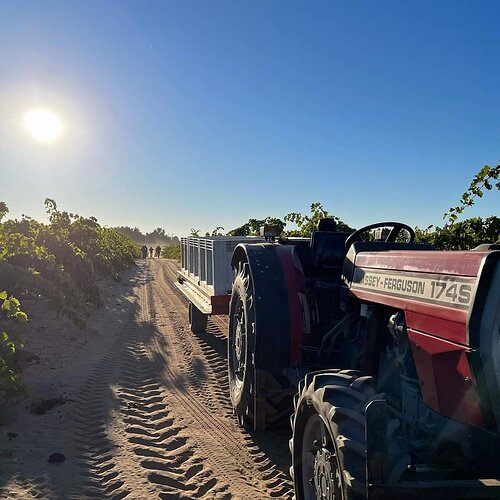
[[206, 276]]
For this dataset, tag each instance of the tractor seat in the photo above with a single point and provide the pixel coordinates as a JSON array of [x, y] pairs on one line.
[[327, 254], [327, 258]]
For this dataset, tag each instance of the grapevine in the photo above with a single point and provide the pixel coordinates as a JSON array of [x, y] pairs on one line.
[[60, 263]]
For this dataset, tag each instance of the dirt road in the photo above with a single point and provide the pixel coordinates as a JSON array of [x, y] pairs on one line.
[[152, 419]]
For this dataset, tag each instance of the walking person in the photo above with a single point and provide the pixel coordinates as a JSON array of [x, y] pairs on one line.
[[144, 251], [158, 251], [151, 252]]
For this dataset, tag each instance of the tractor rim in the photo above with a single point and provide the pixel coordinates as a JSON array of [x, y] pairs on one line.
[[320, 470]]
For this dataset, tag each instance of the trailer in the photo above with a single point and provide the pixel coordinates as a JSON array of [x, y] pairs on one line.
[[206, 275]]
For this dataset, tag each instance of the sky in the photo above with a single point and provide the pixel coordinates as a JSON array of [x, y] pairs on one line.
[[194, 114]]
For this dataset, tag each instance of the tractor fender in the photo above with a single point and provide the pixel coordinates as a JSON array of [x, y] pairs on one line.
[[272, 310]]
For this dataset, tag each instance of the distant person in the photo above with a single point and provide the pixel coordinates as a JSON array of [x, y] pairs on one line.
[[144, 251], [151, 252], [158, 251]]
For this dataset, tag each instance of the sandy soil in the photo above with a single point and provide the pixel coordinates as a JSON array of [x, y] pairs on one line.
[[140, 407]]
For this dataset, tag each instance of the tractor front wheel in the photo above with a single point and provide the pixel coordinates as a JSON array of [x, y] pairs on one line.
[[328, 437]]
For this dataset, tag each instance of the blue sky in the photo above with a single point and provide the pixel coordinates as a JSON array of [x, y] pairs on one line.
[[185, 114]]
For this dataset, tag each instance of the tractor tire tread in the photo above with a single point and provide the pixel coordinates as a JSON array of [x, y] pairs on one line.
[[340, 398]]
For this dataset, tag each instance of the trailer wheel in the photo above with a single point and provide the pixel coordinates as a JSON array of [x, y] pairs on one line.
[[241, 343], [328, 437], [197, 320]]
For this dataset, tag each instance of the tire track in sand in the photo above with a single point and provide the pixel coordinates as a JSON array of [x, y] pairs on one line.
[[95, 450], [270, 449], [126, 441], [162, 448], [196, 374]]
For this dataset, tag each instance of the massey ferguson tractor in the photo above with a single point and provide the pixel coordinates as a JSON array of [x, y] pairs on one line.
[[394, 347]]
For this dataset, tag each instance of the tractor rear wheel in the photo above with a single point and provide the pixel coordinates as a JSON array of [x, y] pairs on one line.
[[261, 395], [241, 345], [328, 437], [197, 320]]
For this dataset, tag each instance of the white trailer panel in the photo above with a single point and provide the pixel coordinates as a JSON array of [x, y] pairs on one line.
[[206, 267]]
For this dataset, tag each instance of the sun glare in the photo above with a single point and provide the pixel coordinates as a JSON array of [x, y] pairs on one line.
[[43, 125]]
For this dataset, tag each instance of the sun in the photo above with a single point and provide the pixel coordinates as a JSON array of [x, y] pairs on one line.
[[43, 125]]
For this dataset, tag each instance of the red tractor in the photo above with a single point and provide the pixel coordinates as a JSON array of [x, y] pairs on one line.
[[395, 350]]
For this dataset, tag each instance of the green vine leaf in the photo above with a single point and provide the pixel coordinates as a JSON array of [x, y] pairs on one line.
[[482, 181]]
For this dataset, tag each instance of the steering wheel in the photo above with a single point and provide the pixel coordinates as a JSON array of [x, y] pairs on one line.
[[397, 227]]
